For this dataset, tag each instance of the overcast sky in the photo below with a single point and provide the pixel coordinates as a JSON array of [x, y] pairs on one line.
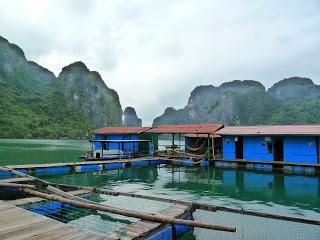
[[153, 53]]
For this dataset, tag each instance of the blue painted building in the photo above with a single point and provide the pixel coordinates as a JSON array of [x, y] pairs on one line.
[[111, 142], [288, 143]]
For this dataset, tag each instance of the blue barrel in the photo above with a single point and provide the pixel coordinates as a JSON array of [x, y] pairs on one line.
[[114, 165], [52, 170], [140, 164]]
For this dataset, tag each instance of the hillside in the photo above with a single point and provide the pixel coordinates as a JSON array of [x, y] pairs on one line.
[[289, 101], [37, 104]]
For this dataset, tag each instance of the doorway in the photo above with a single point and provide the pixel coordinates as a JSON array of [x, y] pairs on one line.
[[278, 149], [239, 147]]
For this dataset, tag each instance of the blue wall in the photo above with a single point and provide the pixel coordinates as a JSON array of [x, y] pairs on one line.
[[300, 149], [112, 146], [98, 145], [256, 148], [228, 147]]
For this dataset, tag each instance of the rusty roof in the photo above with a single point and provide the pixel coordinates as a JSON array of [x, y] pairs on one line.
[[271, 130], [120, 130], [187, 128], [201, 135]]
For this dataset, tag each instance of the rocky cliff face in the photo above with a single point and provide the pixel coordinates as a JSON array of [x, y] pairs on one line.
[[85, 91], [209, 104], [23, 74], [36, 104], [247, 102], [130, 118], [294, 89]]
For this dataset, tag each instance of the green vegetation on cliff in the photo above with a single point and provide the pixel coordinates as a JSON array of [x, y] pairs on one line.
[[36, 104], [293, 100]]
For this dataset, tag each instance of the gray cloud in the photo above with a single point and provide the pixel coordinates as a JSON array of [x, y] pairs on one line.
[[155, 52]]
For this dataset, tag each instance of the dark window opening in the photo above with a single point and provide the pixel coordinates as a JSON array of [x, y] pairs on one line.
[[278, 149], [318, 149], [239, 147], [269, 147]]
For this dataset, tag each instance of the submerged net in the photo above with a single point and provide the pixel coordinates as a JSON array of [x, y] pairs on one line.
[[248, 227], [252, 227], [97, 221]]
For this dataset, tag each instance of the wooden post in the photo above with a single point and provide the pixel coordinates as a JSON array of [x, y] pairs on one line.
[[102, 145], [209, 149], [213, 154], [172, 139]]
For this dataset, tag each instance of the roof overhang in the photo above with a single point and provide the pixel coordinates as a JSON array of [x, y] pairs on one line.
[[121, 130], [185, 129]]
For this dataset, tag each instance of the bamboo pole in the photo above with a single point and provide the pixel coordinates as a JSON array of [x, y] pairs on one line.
[[201, 206], [143, 216], [195, 205], [213, 154], [67, 195], [18, 185]]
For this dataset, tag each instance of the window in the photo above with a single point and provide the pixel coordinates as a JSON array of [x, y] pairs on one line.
[[269, 147]]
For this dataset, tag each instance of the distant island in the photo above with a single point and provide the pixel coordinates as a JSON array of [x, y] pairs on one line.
[[34, 103]]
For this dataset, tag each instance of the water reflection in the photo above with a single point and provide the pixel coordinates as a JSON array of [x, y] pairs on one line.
[[214, 185], [290, 190]]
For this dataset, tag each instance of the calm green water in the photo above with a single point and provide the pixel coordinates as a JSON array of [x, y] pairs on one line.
[[25, 151], [268, 192]]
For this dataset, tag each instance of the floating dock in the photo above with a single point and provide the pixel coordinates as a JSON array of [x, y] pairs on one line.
[[18, 223], [98, 164]]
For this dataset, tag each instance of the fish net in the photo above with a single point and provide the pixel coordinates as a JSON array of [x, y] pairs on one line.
[[252, 227], [97, 221]]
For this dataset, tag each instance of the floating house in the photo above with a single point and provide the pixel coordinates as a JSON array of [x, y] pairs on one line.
[[199, 139], [119, 142], [283, 143]]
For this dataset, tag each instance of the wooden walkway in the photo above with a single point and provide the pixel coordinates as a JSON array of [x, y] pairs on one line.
[[273, 163], [142, 228], [74, 164], [17, 223]]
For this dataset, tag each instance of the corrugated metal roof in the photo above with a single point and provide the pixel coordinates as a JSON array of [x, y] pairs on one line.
[[201, 135], [271, 130], [120, 130], [188, 128]]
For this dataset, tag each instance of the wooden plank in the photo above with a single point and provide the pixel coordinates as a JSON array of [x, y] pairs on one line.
[[275, 163], [18, 223], [64, 233], [71, 164], [144, 228], [29, 200], [16, 180], [32, 200], [31, 229]]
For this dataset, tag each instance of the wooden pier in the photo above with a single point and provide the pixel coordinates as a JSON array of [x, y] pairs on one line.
[[18, 223], [88, 163]]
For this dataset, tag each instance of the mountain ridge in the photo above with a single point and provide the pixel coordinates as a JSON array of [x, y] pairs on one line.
[[36, 104], [248, 102]]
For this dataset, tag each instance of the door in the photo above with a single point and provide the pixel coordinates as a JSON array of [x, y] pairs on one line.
[[278, 149], [239, 147]]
